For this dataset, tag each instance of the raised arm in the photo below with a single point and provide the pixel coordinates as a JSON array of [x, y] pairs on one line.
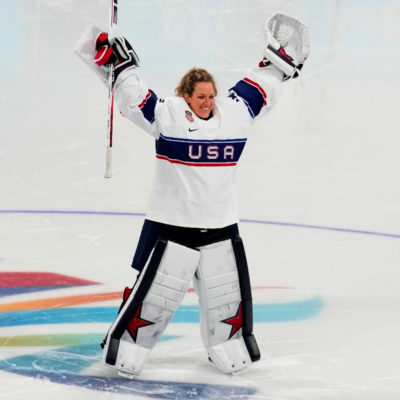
[[259, 90], [286, 50], [136, 102], [134, 99]]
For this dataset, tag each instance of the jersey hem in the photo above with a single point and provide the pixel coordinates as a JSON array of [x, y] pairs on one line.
[[187, 223]]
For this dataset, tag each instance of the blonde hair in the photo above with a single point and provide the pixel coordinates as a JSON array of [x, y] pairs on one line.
[[191, 79]]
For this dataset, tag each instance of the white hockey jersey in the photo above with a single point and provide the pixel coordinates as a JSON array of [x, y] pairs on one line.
[[194, 185]]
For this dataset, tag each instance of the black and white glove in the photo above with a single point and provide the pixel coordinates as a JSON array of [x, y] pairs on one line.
[[288, 44], [120, 54]]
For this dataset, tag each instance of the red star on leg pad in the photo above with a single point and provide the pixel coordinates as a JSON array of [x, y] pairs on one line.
[[136, 322], [236, 321]]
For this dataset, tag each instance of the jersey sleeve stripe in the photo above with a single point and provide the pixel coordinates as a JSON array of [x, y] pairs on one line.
[[249, 108], [141, 105], [258, 87], [148, 105], [252, 94]]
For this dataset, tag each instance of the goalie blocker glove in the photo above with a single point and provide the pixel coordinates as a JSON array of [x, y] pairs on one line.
[[94, 49], [288, 44], [120, 54]]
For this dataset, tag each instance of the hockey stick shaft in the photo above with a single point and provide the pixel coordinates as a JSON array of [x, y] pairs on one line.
[[110, 125], [112, 31]]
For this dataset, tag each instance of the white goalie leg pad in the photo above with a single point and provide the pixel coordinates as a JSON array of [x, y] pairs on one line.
[[221, 308], [86, 51], [150, 306]]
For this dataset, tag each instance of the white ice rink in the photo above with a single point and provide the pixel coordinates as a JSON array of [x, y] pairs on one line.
[[318, 187]]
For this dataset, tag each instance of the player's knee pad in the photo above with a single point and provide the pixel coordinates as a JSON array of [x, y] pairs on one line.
[[150, 306], [226, 310]]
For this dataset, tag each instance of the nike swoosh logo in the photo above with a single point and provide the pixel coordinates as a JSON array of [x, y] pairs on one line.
[[192, 130]]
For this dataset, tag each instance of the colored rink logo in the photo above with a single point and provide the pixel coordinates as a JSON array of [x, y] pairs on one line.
[[75, 352]]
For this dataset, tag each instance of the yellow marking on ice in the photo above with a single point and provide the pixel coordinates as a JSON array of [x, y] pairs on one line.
[[50, 340]]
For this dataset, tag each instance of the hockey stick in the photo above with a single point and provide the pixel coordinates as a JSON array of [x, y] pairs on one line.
[[112, 32]]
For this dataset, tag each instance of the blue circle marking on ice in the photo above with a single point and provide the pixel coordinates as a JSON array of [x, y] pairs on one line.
[[252, 221], [64, 366]]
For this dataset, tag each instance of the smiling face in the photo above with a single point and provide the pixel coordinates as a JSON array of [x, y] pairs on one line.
[[202, 100]]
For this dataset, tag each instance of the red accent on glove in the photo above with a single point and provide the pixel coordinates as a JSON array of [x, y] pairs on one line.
[[103, 55], [102, 40], [282, 51]]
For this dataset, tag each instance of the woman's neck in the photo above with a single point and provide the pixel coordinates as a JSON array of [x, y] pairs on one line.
[[206, 119]]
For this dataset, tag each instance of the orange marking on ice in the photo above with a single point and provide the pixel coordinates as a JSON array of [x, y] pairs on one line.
[[68, 301], [60, 302]]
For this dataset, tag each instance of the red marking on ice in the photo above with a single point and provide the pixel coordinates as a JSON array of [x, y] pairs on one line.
[[27, 279]]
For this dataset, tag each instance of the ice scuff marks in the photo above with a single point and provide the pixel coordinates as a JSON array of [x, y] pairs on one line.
[[64, 366]]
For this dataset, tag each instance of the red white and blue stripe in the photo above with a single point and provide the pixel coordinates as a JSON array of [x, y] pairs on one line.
[[200, 153], [252, 94], [148, 106]]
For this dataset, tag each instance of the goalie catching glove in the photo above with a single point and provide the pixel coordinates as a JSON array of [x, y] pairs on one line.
[[288, 44]]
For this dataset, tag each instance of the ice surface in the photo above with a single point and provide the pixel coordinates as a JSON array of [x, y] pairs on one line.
[[318, 193]]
